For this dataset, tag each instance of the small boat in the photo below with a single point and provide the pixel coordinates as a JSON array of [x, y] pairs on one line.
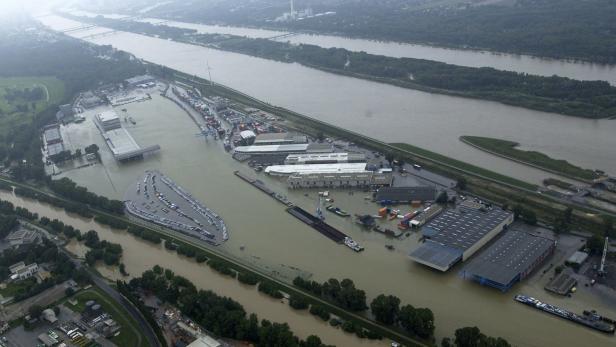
[[349, 242], [337, 211], [389, 247]]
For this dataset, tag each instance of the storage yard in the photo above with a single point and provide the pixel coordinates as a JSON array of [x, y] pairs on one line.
[[155, 198]]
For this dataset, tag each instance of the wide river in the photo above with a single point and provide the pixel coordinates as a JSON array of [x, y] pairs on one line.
[[472, 58], [382, 111], [263, 234]]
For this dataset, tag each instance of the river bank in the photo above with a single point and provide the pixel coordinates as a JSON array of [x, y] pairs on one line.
[[508, 150], [428, 76]]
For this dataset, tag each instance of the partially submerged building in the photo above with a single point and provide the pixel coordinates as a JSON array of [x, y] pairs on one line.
[[455, 235], [255, 150], [340, 168], [509, 260], [325, 158], [120, 142], [108, 120], [139, 80], [279, 139], [339, 180], [398, 195]]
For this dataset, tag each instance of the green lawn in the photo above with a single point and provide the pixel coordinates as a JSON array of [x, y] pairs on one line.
[[14, 288], [508, 149], [10, 116], [129, 334]]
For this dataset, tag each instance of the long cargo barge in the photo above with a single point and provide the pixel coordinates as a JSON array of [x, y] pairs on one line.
[[262, 187], [322, 227], [592, 321]]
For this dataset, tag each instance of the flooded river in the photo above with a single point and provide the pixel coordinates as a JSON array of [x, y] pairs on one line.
[[472, 58], [383, 111], [263, 234]]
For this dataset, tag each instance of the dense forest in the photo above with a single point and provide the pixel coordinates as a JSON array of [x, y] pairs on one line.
[[576, 29], [591, 99]]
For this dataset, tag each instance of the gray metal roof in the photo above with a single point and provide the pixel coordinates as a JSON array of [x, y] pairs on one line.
[[421, 193], [464, 227], [515, 252], [436, 255]]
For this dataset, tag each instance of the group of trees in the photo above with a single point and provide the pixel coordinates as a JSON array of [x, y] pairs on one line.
[[593, 99], [104, 250], [527, 215], [551, 28], [342, 293], [385, 308], [69, 189], [417, 321], [26, 94], [473, 337], [221, 315], [61, 266]]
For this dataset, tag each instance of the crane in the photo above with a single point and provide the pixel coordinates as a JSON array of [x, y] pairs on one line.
[[602, 271], [320, 213]]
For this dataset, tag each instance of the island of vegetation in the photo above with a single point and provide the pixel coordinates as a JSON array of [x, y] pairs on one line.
[[589, 99], [507, 149]]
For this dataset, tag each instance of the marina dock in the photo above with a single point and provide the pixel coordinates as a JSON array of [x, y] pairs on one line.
[[262, 187], [322, 227]]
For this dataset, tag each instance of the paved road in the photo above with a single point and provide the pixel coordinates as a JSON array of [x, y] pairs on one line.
[[144, 326]]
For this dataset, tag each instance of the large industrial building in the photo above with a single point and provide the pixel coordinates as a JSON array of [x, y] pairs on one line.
[[509, 260], [279, 139], [455, 235], [398, 195], [137, 80], [120, 142], [108, 120], [325, 158], [342, 168], [339, 180], [283, 149]]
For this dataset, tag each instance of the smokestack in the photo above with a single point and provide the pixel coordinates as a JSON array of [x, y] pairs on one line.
[[292, 9]]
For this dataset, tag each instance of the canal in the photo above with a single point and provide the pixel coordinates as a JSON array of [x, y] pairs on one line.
[[264, 235]]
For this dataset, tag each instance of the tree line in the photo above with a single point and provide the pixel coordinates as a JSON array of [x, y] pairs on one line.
[[561, 29], [590, 99], [222, 316]]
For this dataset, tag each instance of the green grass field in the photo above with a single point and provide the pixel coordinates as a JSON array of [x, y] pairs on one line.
[[10, 116], [130, 334]]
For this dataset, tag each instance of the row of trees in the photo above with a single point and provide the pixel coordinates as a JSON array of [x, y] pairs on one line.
[[67, 188], [342, 293], [221, 315]]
